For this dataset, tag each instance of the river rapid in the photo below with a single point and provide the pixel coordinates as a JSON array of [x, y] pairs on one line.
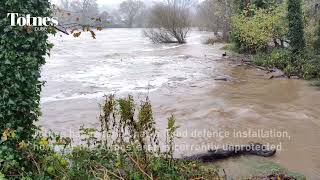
[[180, 80]]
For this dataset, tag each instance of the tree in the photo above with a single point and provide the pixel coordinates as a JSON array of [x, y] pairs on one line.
[[85, 10], [169, 22], [130, 10], [317, 42], [105, 18], [296, 27], [215, 16]]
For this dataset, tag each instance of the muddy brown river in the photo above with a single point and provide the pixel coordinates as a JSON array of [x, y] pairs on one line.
[[180, 80]]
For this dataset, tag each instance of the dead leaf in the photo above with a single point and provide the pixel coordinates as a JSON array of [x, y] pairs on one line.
[[77, 34]]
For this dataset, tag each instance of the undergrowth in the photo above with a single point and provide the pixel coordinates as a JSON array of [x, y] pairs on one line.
[[125, 146]]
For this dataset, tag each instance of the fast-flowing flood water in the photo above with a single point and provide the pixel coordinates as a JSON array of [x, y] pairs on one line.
[[180, 80]]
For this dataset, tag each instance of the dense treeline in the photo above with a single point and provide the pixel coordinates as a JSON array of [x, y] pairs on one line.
[[280, 34]]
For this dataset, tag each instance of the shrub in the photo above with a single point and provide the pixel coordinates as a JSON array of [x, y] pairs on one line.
[[310, 68], [279, 58], [254, 33], [214, 40], [22, 52]]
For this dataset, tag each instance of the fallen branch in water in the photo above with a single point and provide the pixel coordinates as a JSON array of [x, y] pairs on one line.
[[216, 154]]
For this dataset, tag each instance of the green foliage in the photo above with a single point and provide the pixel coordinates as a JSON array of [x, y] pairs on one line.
[[265, 4], [121, 157], [317, 41], [254, 33], [22, 53], [296, 26], [308, 66], [279, 58], [171, 135]]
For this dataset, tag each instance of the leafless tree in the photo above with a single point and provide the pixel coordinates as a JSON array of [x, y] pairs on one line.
[[130, 10], [214, 15], [65, 4], [169, 22], [86, 9]]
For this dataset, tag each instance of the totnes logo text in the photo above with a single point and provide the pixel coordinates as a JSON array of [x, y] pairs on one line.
[[28, 20]]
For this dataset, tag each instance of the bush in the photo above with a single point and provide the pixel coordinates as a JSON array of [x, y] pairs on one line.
[[310, 68], [22, 52], [254, 33], [279, 58]]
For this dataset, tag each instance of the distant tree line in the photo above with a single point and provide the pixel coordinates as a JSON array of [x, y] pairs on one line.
[[129, 13]]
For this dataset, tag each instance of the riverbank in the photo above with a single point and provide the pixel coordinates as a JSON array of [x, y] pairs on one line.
[[126, 146], [180, 80]]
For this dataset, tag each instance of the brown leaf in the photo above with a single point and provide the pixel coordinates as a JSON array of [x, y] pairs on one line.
[[99, 28], [77, 19], [77, 34]]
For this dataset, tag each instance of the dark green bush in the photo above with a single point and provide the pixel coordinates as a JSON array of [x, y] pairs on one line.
[[310, 68], [307, 65], [22, 52]]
